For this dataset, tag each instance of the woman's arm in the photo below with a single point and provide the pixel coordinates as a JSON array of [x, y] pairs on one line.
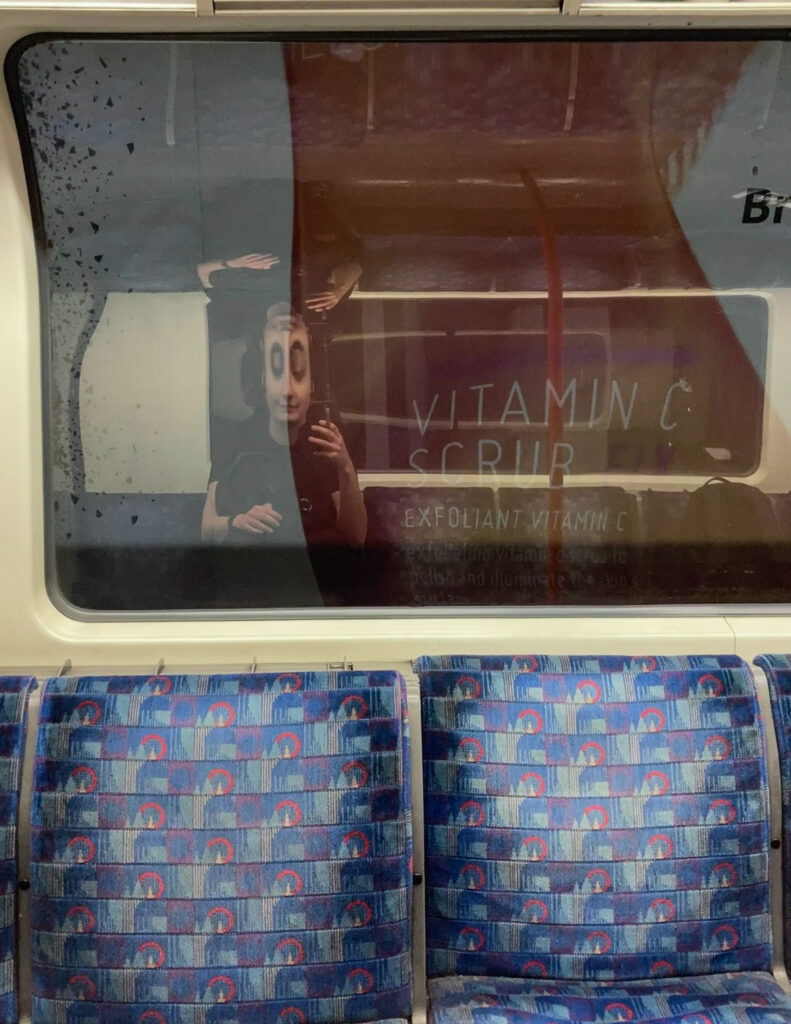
[[252, 261], [258, 519], [344, 277], [213, 526], [349, 504], [341, 281], [205, 271], [328, 443]]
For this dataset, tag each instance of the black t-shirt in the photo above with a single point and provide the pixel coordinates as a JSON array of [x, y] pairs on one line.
[[254, 470]]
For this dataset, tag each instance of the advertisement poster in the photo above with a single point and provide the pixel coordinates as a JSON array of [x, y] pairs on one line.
[[413, 323]]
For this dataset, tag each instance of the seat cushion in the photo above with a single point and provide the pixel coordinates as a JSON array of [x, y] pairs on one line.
[[14, 691], [749, 998], [594, 825], [220, 848]]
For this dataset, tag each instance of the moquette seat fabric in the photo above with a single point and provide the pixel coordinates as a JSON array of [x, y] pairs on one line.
[[222, 850], [14, 694], [596, 840], [778, 671], [750, 998]]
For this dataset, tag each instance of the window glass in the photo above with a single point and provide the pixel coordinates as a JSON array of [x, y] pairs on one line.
[[470, 390], [324, 329]]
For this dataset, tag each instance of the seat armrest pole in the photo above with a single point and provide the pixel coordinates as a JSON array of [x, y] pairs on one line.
[[24, 851], [775, 828], [419, 868]]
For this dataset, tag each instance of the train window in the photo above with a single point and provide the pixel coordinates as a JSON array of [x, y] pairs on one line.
[[644, 383], [325, 330]]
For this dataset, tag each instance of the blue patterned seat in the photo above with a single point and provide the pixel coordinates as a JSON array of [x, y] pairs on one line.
[[222, 850], [778, 672], [14, 692], [596, 841], [717, 999]]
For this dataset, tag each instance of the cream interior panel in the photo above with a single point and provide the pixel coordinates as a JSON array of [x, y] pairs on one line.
[[144, 395]]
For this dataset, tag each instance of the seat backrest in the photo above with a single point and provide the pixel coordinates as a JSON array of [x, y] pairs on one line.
[[562, 664], [584, 823], [222, 848], [778, 671], [14, 692]]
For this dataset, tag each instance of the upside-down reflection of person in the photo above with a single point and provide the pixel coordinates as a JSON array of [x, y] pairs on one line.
[[285, 483], [299, 245]]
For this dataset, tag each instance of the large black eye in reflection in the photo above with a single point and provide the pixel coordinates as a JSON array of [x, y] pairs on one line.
[[276, 360], [298, 358]]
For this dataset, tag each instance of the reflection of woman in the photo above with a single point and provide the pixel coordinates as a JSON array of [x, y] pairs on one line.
[[278, 481], [311, 254], [328, 286]]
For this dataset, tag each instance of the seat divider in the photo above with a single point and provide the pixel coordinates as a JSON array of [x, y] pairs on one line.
[[772, 757], [418, 855], [24, 857]]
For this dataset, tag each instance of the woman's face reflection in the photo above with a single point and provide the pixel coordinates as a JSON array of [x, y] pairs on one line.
[[287, 370]]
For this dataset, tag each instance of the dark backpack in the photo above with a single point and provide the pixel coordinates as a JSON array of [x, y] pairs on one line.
[[722, 512], [729, 534]]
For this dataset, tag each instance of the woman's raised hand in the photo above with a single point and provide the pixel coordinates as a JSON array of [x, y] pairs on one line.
[[253, 261]]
